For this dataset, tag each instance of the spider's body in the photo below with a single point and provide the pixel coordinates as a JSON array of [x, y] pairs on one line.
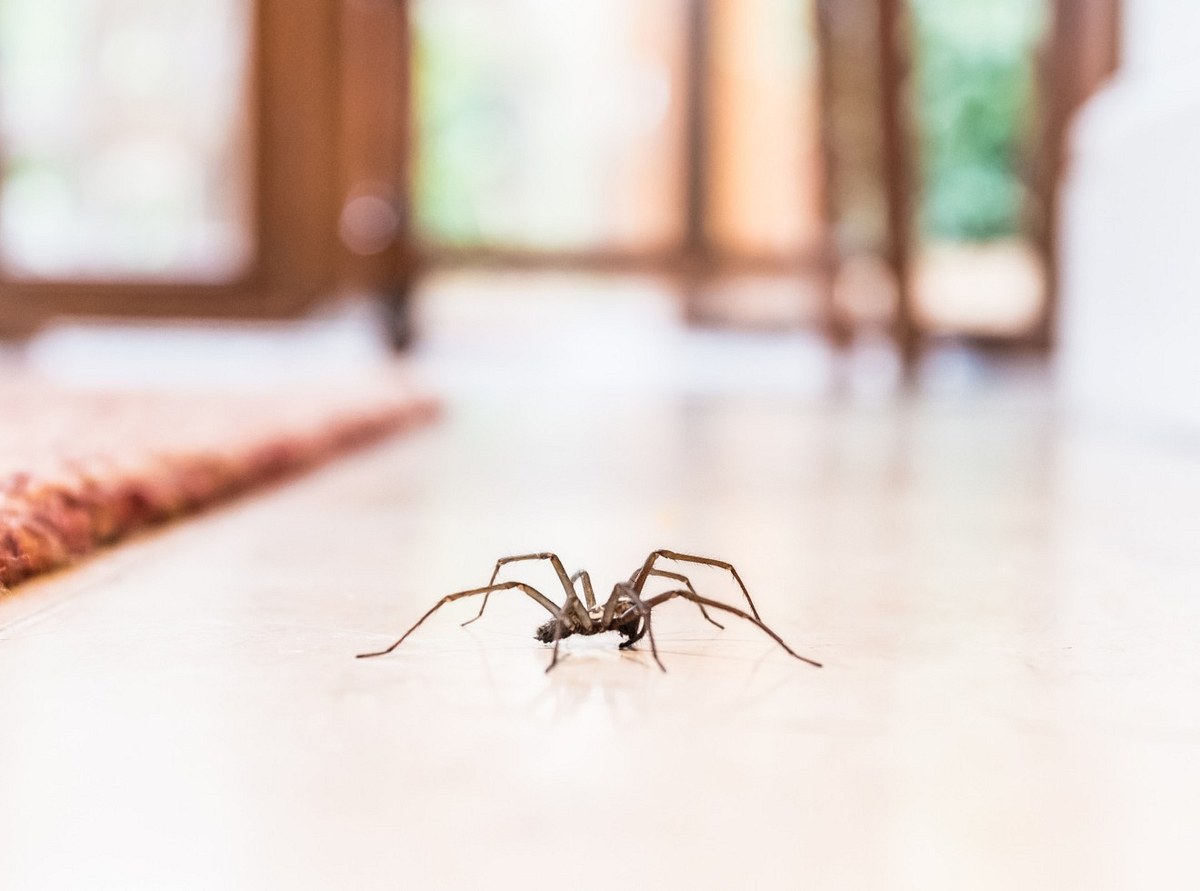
[[626, 621], [625, 611]]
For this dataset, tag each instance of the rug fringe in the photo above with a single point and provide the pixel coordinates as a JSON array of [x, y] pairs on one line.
[[46, 524]]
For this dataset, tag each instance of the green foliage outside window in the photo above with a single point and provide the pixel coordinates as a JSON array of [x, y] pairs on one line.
[[974, 94]]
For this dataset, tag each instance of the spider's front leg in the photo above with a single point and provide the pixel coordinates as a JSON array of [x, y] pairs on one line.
[[626, 591], [566, 622], [568, 583], [560, 631], [458, 595]]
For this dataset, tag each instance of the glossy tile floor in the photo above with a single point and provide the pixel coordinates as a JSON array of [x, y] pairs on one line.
[[1004, 599]]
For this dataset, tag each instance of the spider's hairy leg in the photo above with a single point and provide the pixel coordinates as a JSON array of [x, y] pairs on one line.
[[559, 627], [664, 554], [588, 593], [644, 611], [534, 593], [562, 621], [627, 591], [680, 577], [610, 605], [568, 585], [696, 598]]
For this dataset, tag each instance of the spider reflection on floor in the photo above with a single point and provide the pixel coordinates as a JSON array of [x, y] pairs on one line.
[[625, 611]]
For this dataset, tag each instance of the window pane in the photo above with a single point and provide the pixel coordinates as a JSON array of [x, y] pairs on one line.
[[126, 138], [549, 125]]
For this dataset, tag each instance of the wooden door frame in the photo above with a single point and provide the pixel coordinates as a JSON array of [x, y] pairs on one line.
[[293, 93], [1079, 52], [694, 259]]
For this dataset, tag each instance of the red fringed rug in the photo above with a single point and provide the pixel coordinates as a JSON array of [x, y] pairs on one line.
[[81, 469]]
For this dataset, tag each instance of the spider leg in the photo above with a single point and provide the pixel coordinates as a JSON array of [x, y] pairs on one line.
[[696, 598], [691, 558], [610, 605], [567, 583], [626, 590], [644, 611], [458, 595], [679, 577], [561, 623], [588, 593]]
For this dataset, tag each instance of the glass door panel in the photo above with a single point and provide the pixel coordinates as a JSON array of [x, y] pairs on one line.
[[549, 126], [126, 135]]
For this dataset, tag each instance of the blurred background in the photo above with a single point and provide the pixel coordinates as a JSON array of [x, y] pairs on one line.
[[901, 173]]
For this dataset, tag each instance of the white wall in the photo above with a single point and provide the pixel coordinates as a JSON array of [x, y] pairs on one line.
[[1130, 323], [1159, 38]]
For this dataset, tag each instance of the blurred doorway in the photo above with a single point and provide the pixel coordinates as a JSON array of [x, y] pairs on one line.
[[848, 165], [676, 137]]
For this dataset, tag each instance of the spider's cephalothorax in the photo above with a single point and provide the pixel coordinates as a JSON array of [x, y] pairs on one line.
[[625, 611]]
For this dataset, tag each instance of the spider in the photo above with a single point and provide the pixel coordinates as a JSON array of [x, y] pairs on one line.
[[625, 611]]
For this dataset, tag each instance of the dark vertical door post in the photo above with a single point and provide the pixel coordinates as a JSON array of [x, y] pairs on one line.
[[897, 170]]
